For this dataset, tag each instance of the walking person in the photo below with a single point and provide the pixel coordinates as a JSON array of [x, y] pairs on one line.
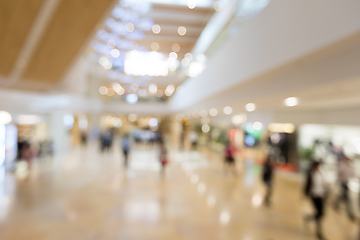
[[268, 169], [125, 142], [316, 189], [229, 158], [345, 173], [163, 159]]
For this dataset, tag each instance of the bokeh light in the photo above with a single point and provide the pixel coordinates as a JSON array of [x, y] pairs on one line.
[[250, 107], [213, 112], [156, 29], [182, 31], [227, 110]]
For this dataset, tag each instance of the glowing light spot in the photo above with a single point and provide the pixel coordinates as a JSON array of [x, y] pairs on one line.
[[156, 29], [205, 128], [227, 110], [250, 107], [182, 31], [103, 90], [155, 46], [213, 112], [291, 101], [257, 126], [175, 47]]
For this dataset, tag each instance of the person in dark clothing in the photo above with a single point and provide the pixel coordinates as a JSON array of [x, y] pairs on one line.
[[268, 169], [126, 148], [316, 190]]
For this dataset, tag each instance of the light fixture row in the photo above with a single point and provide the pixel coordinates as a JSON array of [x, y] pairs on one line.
[[157, 29], [250, 107]]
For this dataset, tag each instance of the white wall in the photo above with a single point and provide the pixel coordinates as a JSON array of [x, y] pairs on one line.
[[282, 32]]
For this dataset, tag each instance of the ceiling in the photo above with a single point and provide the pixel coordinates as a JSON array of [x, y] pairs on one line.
[[170, 18], [40, 39]]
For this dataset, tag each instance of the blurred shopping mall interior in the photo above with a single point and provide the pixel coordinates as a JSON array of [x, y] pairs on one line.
[[153, 119]]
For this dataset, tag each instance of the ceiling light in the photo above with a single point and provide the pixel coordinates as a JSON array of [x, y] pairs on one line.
[[111, 43], [116, 122], [103, 61], [129, 27], [213, 112], [257, 126], [238, 119], [191, 4], [110, 92], [224, 217], [115, 53], [201, 57], [155, 46], [205, 128], [159, 93], [182, 31], [218, 5], [291, 101], [132, 98], [227, 110], [5, 117], [103, 90], [250, 107], [107, 65], [195, 69], [188, 56], [132, 117], [116, 87], [121, 91], [175, 47], [153, 88], [173, 55], [168, 93], [153, 122], [156, 29], [169, 90]]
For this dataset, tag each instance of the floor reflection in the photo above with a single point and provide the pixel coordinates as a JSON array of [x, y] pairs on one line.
[[88, 195]]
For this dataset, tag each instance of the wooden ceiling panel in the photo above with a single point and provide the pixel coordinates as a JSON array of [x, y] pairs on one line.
[[71, 25], [16, 19]]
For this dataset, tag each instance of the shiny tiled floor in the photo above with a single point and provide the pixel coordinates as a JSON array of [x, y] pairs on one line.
[[88, 195]]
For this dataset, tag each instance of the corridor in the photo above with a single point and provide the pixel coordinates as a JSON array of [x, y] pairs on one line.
[[86, 194]]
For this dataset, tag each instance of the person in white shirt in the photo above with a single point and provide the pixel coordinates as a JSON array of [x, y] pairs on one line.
[[345, 173], [316, 190]]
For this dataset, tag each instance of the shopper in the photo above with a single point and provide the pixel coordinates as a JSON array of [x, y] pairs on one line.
[[316, 190], [267, 175], [125, 142], [229, 158], [163, 159], [193, 138], [345, 172]]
